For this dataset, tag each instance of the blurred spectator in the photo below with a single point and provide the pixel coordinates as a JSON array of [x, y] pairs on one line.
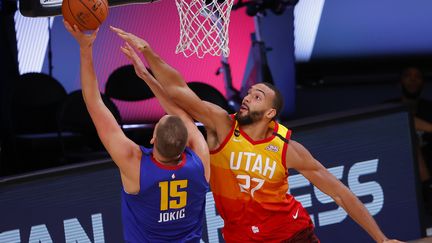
[[412, 84]]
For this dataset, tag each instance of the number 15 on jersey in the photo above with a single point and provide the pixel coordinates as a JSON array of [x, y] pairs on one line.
[[171, 197]]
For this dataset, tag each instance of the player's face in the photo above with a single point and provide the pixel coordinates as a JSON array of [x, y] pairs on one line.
[[412, 80], [255, 104]]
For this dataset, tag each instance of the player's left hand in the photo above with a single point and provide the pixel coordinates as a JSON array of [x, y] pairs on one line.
[[130, 38]]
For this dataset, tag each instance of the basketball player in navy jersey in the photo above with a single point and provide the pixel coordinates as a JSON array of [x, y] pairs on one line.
[[164, 188]]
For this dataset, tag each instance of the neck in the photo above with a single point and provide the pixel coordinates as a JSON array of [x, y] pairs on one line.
[[258, 131], [164, 160]]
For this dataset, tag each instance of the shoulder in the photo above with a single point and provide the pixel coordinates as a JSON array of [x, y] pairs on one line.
[[282, 132], [283, 129]]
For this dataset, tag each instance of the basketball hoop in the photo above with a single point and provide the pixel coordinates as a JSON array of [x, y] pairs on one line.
[[204, 27]]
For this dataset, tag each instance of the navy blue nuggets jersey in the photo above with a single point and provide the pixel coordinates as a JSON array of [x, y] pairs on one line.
[[171, 202]]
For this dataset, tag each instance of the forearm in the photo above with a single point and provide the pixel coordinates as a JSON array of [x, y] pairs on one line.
[[104, 121], [194, 141], [299, 158], [157, 89], [176, 89], [99, 113], [169, 77], [89, 82], [358, 212]]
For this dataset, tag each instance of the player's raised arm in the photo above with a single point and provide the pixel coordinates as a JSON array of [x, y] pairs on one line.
[[196, 140], [300, 159], [214, 118], [122, 150]]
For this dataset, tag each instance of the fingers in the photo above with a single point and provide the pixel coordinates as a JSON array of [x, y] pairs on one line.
[[133, 40], [72, 29], [130, 54], [132, 51], [122, 34], [68, 27], [118, 31], [125, 51], [76, 29], [129, 47], [94, 34]]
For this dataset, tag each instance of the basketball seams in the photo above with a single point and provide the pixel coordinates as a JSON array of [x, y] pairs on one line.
[[106, 6], [86, 14], [73, 16], [90, 11]]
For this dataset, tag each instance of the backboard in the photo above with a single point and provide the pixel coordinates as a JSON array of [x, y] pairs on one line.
[[45, 8]]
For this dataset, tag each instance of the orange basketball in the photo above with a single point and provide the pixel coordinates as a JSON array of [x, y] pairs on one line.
[[86, 14]]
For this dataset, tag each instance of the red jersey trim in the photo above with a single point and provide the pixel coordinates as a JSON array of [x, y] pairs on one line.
[[265, 140], [170, 167], [285, 148], [225, 141]]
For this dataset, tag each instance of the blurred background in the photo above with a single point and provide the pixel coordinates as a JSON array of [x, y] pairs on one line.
[[355, 75]]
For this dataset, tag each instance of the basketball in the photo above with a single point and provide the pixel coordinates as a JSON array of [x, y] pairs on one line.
[[86, 14]]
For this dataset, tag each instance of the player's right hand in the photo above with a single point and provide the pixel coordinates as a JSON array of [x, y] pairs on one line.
[[83, 39], [139, 66]]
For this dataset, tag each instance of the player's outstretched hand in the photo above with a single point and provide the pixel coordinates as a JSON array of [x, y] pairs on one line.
[[130, 38], [83, 39], [139, 66]]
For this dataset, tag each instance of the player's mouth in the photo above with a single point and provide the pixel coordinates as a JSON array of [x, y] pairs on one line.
[[244, 107]]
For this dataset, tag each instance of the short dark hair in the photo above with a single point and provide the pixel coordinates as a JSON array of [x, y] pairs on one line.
[[278, 99], [405, 70], [172, 136]]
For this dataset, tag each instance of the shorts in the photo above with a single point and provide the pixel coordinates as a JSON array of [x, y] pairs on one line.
[[305, 236]]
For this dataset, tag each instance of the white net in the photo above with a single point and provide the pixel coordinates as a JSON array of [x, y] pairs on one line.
[[204, 27]]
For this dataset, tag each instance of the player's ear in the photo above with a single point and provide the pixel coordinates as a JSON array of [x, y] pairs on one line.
[[271, 113]]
